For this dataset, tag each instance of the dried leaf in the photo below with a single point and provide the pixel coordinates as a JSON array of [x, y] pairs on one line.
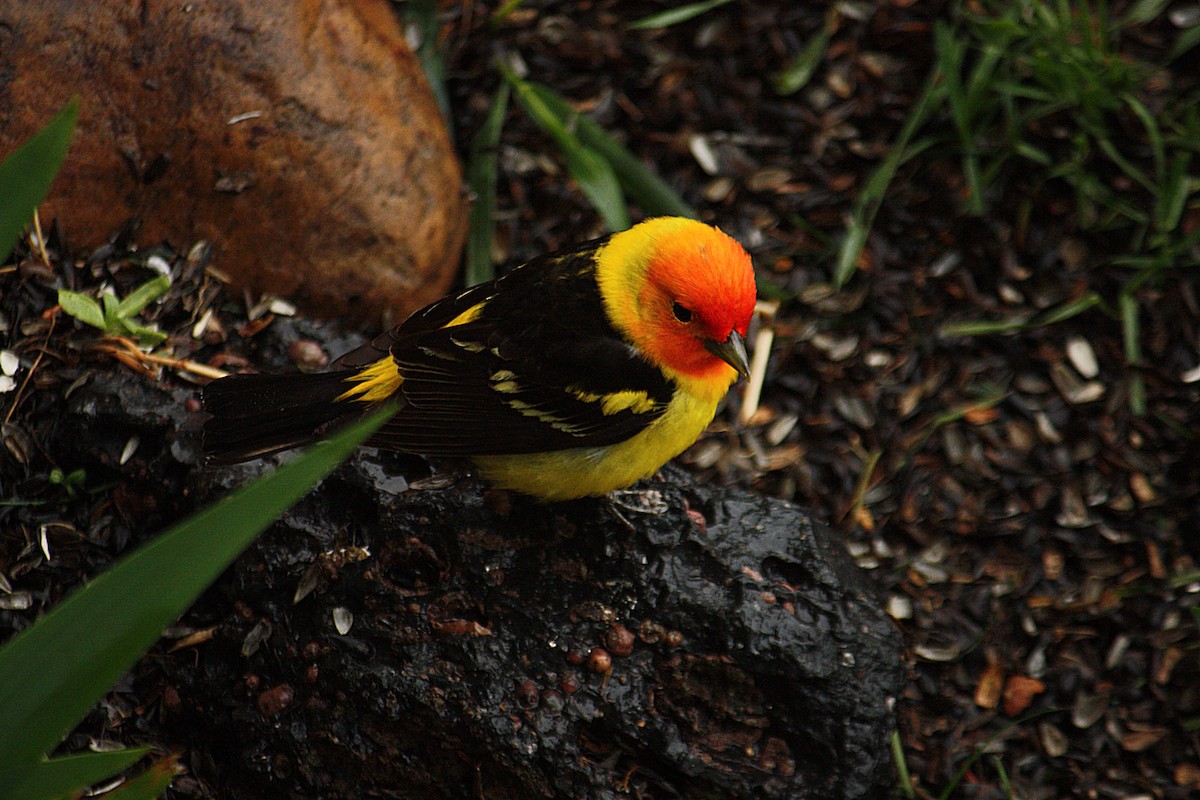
[[1019, 693]]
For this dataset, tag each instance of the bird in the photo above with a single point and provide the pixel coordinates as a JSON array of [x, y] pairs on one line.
[[575, 374]]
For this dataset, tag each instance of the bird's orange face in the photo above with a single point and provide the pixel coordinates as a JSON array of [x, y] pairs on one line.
[[697, 301]]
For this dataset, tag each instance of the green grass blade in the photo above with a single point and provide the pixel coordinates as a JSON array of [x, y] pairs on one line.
[[647, 189], [57, 777], [906, 788], [867, 205], [590, 170], [674, 16], [1176, 188], [984, 327], [481, 178], [1144, 11], [1132, 345], [1187, 39], [1073, 308], [1019, 322], [55, 670], [501, 14], [423, 15], [26, 174], [799, 70]]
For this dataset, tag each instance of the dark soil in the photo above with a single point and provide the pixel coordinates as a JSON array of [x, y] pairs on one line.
[[1034, 538]]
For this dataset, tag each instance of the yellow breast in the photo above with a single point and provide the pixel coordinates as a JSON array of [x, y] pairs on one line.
[[579, 472]]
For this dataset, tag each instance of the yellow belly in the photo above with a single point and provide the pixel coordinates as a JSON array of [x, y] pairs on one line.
[[567, 474]]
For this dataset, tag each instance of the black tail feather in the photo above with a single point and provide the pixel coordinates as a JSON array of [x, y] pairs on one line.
[[256, 415]]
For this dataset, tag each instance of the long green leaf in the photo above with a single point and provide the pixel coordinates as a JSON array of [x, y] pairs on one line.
[[56, 777], [54, 671], [26, 175], [674, 16], [590, 170], [650, 191], [481, 177]]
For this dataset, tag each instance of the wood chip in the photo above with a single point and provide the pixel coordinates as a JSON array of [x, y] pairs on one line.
[[990, 686], [1054, 742], [1088, 709], [1137, 741], [1019, 693], [1187, 774]]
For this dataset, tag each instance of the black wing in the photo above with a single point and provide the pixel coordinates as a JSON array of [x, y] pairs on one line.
[[531, 370]]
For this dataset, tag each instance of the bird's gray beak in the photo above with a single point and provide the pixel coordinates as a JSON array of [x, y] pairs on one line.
[[732, 351]]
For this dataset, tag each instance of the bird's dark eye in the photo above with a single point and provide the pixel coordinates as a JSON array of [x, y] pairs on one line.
[[682, 314]]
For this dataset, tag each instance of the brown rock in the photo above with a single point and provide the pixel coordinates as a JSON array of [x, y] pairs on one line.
[[299, 138]]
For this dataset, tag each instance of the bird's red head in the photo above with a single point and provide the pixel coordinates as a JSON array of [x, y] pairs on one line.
[[683, 292]]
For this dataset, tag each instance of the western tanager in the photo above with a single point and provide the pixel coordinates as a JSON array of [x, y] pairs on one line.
[[574, 374]]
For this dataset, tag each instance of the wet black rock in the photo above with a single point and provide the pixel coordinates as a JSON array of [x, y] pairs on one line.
[[477, 660]]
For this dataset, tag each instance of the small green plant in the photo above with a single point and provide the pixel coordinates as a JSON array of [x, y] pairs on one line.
[[115, 316], [54, 671], [70, 482]]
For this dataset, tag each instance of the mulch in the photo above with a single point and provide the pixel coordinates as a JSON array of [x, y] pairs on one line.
[[1032, 537]]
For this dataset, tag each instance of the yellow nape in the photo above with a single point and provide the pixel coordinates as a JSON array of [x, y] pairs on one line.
[[375, 383]]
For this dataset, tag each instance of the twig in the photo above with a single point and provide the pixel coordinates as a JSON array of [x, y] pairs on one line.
[[762, 352], [32, 369], [41, 240], [128, 353]]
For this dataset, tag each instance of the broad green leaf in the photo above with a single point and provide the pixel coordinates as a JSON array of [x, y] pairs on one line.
[[650, 191], [26, 174], [57, 777], [598, 181], [143, 296], [481, 177], [81, 307], [674, 16], [55, 670], [591, 171]]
